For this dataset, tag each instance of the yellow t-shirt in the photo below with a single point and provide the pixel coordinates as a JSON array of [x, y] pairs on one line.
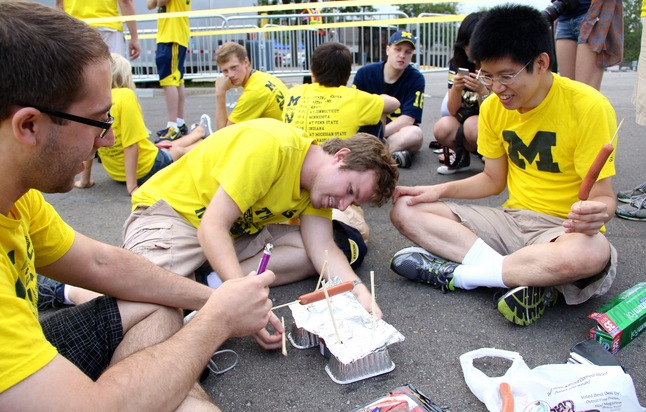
[[328, 112], [176, 29], [550, 148], [129, 129], [88, 9], [33, 235], [262, 97], [643, 8], [258, 163]]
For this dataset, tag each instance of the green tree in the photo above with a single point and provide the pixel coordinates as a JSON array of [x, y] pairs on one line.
[[632, 29], [412, 10]]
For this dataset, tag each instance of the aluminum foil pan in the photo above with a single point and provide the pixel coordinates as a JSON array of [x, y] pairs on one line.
[[301, 338], [376, 363]]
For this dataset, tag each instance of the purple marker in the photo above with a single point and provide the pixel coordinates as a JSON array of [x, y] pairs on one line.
[[264, 260]]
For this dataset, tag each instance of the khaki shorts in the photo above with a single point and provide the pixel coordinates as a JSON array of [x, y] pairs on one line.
[[507, 230], [164, 237]]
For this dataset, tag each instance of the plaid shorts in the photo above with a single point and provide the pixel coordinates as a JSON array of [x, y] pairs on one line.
[[86, 335]]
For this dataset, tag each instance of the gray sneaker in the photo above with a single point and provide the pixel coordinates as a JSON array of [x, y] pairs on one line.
[[636, 210], [627, 196], [50, 293], [205, 122], [403, 158], [420, 265]]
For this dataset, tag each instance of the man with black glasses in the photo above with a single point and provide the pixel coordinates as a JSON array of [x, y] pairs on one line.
[[539, 136], [112, 352]]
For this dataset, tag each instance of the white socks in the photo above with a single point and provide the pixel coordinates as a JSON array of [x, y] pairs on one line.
[[481, 266]]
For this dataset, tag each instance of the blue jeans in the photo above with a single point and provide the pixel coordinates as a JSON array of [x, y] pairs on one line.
[[162, 160], [569, 29]]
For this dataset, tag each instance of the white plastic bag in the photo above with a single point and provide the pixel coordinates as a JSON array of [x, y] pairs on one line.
[[564, 387]]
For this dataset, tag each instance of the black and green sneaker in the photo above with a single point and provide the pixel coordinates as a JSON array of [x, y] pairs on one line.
[[422, 266], [525, 304]]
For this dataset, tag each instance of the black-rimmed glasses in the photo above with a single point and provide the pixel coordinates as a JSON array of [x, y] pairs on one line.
[[84, 120], [505, 79]]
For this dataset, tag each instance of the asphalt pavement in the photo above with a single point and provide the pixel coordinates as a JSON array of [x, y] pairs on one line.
[[438, 327]]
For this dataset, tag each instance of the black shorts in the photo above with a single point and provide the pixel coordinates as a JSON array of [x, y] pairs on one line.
[[86, 335]]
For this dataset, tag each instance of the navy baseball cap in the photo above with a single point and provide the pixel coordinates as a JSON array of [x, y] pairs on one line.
[[402, 36], [349, 240]]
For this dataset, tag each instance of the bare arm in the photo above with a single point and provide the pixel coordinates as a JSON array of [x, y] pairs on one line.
[[128, 9], [131, 159], [110, 270], [222, 84], [590, 215], [491, 181], [214, 237], [60, 4], [399, 123], [141, 381], [216, 242], [316, 232], [390, 104]]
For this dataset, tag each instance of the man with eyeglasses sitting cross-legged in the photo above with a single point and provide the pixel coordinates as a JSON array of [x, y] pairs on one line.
[[539, 136]]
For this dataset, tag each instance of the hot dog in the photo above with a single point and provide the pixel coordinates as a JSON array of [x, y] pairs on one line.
[[319, 295], [507, 397], [591, 178]]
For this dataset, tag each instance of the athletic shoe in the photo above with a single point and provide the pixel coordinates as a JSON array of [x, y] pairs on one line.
[[169, 134], [636, 210], [461, 165], [182, 130], [403, 158], [422, 266], [205, 122], [525, 304], [50, 293], [627, 196]]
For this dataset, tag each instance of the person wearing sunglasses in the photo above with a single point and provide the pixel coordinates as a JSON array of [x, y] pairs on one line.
[[114, 352], [539, 135]]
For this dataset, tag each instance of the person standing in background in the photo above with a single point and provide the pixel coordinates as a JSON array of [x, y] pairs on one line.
[[312, 38], [172, 42], [589, 39], [635, 199], [112, 33]]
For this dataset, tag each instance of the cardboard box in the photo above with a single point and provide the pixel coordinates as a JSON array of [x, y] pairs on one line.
[[622, 319]]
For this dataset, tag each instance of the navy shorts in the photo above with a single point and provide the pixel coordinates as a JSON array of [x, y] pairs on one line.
[[170, 63], [87, 335]]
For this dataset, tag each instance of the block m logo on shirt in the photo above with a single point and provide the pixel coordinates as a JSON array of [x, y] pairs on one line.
[[540, 147]]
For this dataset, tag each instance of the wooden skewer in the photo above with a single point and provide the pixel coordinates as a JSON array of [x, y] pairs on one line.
[[329, 306], [282, 319], [285, 304], [372, 292], [318, 283], [327, 259]]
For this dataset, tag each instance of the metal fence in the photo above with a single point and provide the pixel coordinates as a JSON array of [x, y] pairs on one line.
[[284, 47]]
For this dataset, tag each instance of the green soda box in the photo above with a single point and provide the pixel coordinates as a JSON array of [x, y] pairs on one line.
[[622, 319]]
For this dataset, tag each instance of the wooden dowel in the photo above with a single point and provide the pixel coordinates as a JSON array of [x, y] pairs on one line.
[[282, 319], [373, 300], [329, 306]]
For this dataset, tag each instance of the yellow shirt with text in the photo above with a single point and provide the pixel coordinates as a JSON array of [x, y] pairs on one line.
[[33, 235], [257, 163], [328, 112]]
